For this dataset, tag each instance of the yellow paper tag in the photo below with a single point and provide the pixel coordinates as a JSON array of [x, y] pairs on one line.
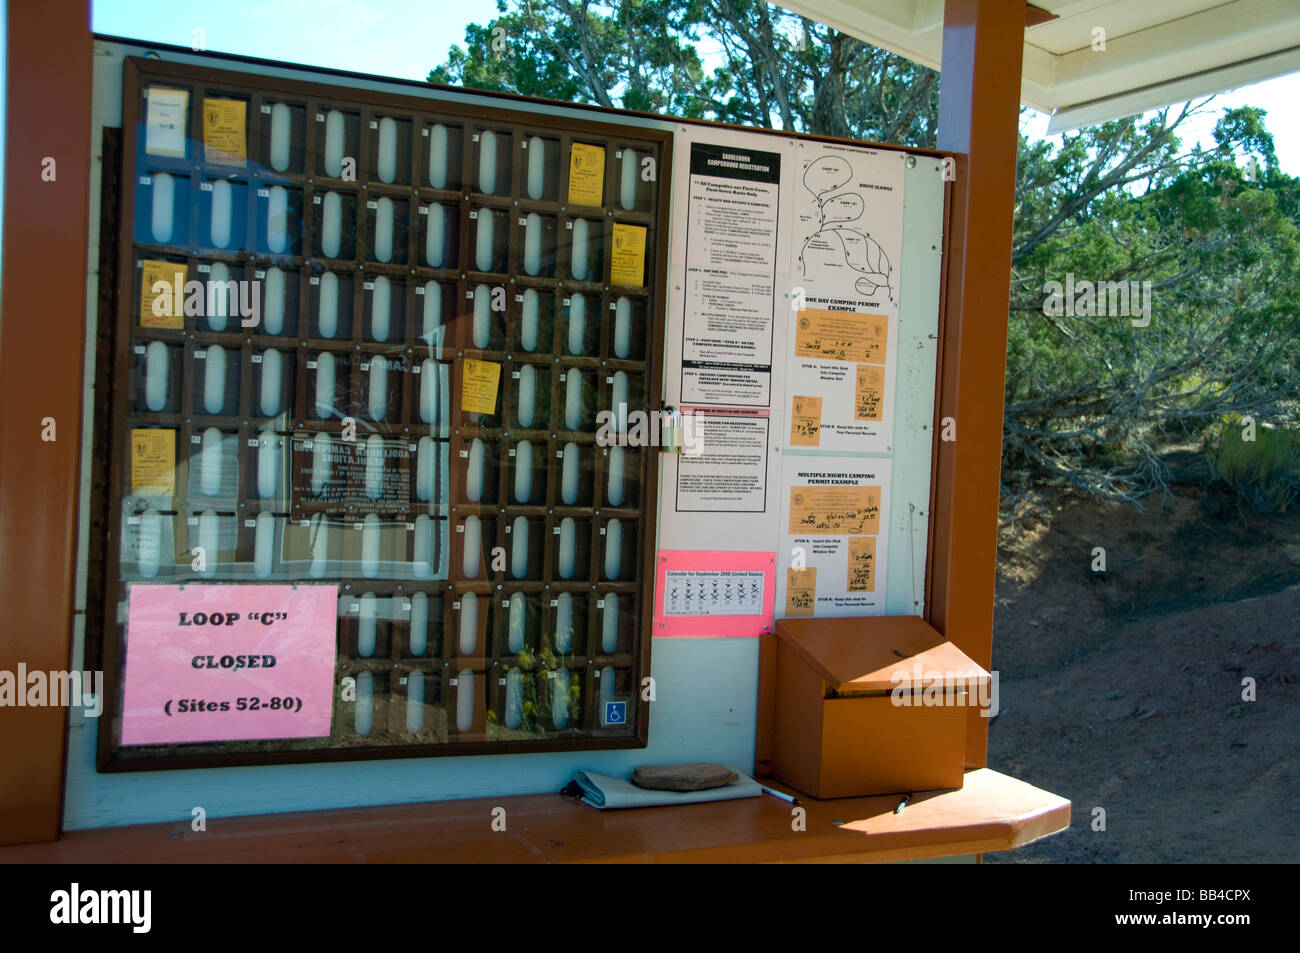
[[162, 307], [478, 386], [870, 390], [840, 336], [862, 564], [834, 510], [800, 591], [224, 137], [627, 262], [806, 422], [153, 462], [586, 174]]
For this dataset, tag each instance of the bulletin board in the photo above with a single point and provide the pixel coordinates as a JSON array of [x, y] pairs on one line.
[[363, 347], [710, 523], [802, 343]]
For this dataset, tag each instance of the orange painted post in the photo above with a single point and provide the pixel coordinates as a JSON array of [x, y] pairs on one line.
[[42, 340], [979, 100]]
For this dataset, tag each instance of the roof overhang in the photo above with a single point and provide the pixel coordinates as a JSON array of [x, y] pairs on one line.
[[1156, 52]]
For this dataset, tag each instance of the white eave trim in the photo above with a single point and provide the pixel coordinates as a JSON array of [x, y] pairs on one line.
[[1179, 90], [1232, 44]]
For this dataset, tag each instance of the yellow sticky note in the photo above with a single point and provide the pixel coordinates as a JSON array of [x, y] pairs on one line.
[[806, 422], [153, 462], [869, 392], [800, 591], [224, 135], [627, 261], [834, 510], [862, 564], [478, 386], [162, 295], [840, 336], [586, 174]]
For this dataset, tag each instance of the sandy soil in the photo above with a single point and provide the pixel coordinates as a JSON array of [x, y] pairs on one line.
[[1123, 690]]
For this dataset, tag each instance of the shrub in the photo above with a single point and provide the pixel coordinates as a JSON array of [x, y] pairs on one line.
[[1264, 472]]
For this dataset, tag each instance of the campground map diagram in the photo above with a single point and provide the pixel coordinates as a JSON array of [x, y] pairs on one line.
[[846, 268], [839, 258]]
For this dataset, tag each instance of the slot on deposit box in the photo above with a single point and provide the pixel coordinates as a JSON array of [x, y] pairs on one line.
[[875, 705]]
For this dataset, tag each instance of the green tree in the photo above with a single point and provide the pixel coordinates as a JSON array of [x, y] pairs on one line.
[[772, 69], [1090, 400]]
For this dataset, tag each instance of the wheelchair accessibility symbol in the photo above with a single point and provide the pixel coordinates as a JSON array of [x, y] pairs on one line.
[[616, 713]]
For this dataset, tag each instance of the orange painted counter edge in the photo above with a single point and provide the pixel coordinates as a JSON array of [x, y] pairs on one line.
[[991, 812]]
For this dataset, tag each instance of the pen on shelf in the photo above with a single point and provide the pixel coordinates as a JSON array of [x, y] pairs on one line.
[[783, 797], [903, 803]]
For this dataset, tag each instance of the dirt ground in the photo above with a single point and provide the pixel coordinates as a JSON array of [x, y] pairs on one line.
[[1122, 690]]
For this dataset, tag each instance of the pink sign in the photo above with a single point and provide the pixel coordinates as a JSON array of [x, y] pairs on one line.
[[228, 663], [714, 593]]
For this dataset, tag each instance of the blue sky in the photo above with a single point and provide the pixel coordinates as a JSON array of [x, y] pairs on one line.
[[407, 38], [402, 38], [1278, 97]]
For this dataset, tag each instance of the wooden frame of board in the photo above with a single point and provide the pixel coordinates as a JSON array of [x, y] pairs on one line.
[[306, 178]]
